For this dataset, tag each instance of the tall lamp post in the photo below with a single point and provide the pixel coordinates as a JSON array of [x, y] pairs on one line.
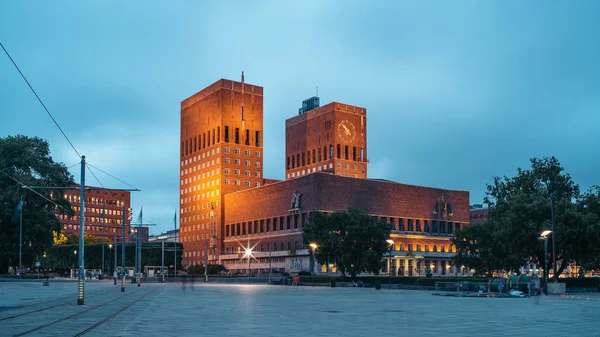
[[313, 246], [248, 252], [390, 243], [544, 236]]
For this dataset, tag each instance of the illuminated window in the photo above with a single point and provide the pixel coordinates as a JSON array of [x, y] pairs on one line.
[[247, 162], [247, 184], [256, 184], [226, 181], [237, 183], [257, 164], [247, 152], [226, 170], [257, 153], [257, 174]]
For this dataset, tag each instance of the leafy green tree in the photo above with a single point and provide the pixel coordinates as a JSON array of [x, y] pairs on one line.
[[28, 160], [520, 209], [352, 240]]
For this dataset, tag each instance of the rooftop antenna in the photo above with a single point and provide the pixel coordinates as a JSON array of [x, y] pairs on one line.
[[317, 91]]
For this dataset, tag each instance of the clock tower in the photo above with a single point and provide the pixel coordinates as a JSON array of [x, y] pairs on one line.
[[331, 138]]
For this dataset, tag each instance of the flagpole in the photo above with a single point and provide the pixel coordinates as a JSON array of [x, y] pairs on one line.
[[175, 224], [21, 238], [102, 222]]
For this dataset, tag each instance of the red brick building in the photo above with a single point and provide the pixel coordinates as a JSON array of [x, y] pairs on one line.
[[227, 205], [421, 228], [478, 213], [331, 138], [221, 152], [113, 202]]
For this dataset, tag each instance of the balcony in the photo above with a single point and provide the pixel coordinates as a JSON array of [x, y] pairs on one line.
[[403, 253]]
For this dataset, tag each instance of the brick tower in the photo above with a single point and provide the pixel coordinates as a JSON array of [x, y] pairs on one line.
[[221, 152], [331, 138]]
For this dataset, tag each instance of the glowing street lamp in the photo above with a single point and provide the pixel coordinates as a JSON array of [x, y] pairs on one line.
[[248, 251], [390, 243], [544, 236]]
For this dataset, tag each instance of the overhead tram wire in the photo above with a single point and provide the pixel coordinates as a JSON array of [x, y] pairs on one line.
[[110, 175], [40, 100], [32, 190]]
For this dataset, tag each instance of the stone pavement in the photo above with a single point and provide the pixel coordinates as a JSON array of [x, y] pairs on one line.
[[257, 310]]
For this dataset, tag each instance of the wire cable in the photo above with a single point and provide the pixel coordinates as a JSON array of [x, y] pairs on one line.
[[40, 100], [110, 175], [32, 190]]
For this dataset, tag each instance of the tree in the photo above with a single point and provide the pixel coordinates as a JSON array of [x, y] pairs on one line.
[[352, 240], [520, 209], [28, 161]]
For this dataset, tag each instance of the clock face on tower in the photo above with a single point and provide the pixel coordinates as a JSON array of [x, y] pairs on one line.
[[346, 131]]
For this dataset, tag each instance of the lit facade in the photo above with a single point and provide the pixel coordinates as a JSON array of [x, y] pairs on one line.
[[221, 152], [111, 201], [227, 205]]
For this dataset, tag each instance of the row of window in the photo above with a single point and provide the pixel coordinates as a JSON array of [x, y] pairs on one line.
[[93, 228], [199, 187], [425, 226], [188, 209], [93, 200], [239, 183], [237, 151], [268, 247], [212, 137], [424, 248], [266, 225], [98, 210], [200, 156], [89, 219], [309, 171], [304, 158], [238, 162], [238, 172]]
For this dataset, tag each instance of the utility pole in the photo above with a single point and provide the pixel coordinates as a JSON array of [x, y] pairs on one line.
[[176, 240], [206, 266], [162, 264], [81, 280], [115, 265], [102, 223], [554, 276], [20, 237], [123, 249]]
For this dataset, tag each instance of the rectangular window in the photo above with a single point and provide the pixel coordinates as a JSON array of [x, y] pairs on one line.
[[426, 226], [303, 159], [289, 222], [314, 157], [295, 220], [319, 155], [226, 136], [213, 139], [281, 223], [274, 224], [401, 224], [410, 224], [346, 152], [288, 163], [354, 153], [257, 138], [227, 230], [339, 151], [330, 152], [262, 225], [255, 226], [293, 161], [218, 134], [268, 225], [450, 224], [308, 157], [418, 229], [243, 228], [237, 135], [247, 140], [208, 137], [204, 140], [362, 156]]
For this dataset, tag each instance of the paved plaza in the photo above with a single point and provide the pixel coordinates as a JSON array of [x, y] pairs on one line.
[[28, 308]]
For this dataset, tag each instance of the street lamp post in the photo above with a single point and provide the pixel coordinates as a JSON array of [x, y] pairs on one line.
[[248, 252], [390, 243], [313, 246], [75, 254], [544, 237]]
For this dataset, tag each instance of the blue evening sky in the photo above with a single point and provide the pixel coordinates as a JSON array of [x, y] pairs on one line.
[[456, 91]]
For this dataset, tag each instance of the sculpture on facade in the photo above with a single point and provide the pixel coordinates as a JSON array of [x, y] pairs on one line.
[[296, 198]]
